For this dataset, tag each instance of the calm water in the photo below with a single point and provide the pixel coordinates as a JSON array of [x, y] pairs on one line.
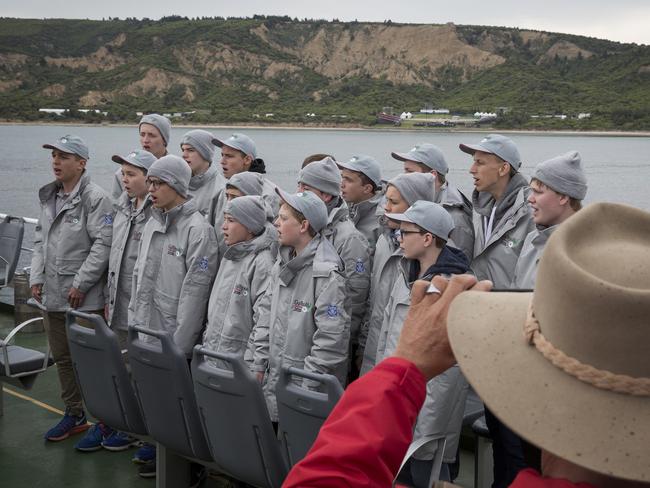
[[618, 168]]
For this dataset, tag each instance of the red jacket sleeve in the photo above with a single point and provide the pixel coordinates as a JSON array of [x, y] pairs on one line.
[[363, 441], [529, 478]]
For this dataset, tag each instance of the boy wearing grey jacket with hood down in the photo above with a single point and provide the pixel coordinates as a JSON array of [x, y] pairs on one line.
[[243, 277], [207, 181], [177, 261], [302, 318], [401, 192], [71, 248]]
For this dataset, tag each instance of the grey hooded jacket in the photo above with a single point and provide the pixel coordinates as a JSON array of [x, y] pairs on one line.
[[354, 251], [176, 265], [205, 190], [460, 209], [71, 248], [128, 225], [240, 284], [443, 408], [385, 268], [496, 259], [365, 219], [302, 318], [531, 251]]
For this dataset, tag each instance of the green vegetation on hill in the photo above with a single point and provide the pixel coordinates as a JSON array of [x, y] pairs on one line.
[[239, 70]]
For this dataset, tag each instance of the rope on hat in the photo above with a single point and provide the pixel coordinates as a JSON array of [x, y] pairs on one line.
[[599, 378]]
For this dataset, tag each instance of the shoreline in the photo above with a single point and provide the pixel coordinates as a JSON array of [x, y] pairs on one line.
[[595, 133]]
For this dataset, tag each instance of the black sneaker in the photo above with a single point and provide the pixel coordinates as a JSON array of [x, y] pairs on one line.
[[148, 469]]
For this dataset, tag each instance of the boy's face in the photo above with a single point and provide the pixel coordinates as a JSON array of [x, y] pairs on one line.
[[163, 196], [394, 204], [195, 161], [487, 169], [352, 188], [232, 193], [234, 161], [233, 231], [67, 167], [134, 180], [547, 205], [151, 140], [288, 226], [412, 240]]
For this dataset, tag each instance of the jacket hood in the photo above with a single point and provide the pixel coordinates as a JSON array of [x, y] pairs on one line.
[[450, 196], [266, 240], [197, 181], [450, 261], [359, 210], [483, 201], [167, 218], [124, 204]]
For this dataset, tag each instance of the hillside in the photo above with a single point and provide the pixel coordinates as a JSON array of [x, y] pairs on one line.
[[239, 70]]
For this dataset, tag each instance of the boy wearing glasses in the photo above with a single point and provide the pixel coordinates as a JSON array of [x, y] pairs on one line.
[[424, 231]]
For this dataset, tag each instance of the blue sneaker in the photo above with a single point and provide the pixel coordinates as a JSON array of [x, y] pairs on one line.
[[67, 426], [92, 441], [118, 441], [146, 453]]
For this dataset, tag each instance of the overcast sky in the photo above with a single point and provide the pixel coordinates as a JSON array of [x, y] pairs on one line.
[[621, 20]]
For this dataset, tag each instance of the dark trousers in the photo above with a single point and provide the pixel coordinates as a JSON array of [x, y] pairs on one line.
[[507, 448]]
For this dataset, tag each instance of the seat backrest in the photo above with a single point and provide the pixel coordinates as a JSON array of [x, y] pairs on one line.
[[163, 385], [101, 373], [301, 412], [236, 419], [12, 230]]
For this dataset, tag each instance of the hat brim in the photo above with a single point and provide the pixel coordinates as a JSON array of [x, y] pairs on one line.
[[399, 217], [217, 142], [62, 149], [288, 198], [597, 429], [472, 148], [116, 158]]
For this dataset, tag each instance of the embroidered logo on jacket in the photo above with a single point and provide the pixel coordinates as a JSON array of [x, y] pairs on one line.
[[71, 219], [360, 267], [203, 264], [240, 290], [108, 219], [332, 311], [137, 236], [300, 306], [174, 251]]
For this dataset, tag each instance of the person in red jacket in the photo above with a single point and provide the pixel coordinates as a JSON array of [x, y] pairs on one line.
[[565, 367]]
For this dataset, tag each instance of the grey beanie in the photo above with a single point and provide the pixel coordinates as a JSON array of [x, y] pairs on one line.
[[247, 182], [563, 174], [415, 186], [160, 122], [174, 171], [249, 211], [323, 175], [201, 141]]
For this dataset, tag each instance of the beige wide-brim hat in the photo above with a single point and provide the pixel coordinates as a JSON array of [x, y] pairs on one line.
[[592, 308]]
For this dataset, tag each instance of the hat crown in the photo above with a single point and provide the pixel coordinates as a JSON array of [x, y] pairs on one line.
[[592, 293]]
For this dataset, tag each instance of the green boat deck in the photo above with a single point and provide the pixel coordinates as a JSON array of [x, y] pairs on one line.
[[26, 459]]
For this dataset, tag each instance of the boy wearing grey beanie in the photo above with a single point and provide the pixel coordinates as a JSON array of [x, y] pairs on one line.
[[207, 181], [401, 192], [558, 187], [324, 179], [233, 309]]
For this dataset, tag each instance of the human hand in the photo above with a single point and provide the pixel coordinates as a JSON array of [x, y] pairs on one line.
[[424, 339], [37, 292], [75, 297]]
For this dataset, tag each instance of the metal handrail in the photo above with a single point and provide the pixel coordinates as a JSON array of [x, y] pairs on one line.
[[27, 220]]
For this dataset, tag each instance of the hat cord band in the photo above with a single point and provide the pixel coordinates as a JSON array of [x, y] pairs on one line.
[[599, 378]]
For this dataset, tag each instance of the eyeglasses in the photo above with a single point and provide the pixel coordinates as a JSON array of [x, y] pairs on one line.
[[155, 183], [403, 232]]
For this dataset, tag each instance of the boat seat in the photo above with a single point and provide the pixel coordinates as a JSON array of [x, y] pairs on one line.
[[12, 230], [236, 419], [102, 374], [301, 412], [164, 388]]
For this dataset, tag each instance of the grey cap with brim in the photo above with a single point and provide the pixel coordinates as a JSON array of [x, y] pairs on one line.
[[308, 204], [563, 174], [499, 145], [247, 182], [430, 216], [427, 154], [415, 186], [160, 122], [249, 211], [174, 171], [201, 141], [140, 158], [322, 175], [367, 165], [72, 145], [238, 141]]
